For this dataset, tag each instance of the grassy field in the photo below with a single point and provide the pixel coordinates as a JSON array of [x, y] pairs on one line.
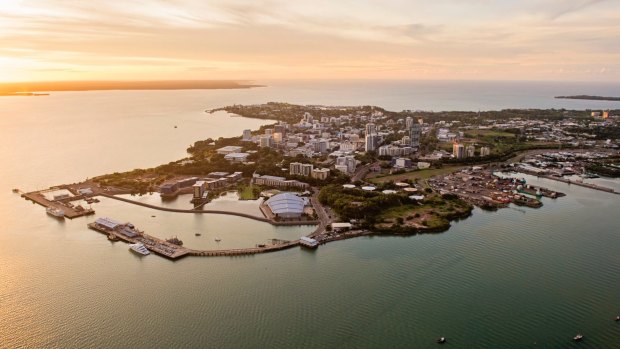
[[416, 175], [248, 192], [489, 133]]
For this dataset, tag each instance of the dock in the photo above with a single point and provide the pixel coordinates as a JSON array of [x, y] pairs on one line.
[[153, 244], [65, 204]]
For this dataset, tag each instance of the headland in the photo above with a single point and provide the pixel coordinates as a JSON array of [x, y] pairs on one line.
[[355, 171]]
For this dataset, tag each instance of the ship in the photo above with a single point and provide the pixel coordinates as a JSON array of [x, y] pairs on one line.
[[139, 248], [56, 212], [175, 241]]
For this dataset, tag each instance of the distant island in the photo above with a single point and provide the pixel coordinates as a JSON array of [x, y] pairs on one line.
[[592, 98], [30, 88]]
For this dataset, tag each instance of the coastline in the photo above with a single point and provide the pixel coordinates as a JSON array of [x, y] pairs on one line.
[[43, 88]]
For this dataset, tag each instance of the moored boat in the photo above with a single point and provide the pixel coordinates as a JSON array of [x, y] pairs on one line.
[[56, 212], [139, 248]]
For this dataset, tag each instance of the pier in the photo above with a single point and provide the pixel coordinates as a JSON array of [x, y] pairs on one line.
[[156, 245], [64, 204]]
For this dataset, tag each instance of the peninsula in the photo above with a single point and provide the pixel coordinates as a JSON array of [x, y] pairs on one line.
[[361, 170], [30, 88], [588, 97]]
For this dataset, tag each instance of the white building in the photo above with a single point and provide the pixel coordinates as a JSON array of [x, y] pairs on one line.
[[471, 151], [320, 173], [228, 149], [237, 157], [346, 164], [297, 168], [485, 151]]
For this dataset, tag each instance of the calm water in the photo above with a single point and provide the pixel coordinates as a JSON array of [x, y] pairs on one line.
[[507, 279]]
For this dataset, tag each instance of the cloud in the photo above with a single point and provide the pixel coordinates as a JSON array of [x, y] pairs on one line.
[[277, 38]]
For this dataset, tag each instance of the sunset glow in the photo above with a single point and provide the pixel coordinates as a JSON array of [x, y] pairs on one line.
[[190, 39]]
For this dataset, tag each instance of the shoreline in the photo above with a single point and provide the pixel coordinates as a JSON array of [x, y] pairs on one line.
[[43, 88]]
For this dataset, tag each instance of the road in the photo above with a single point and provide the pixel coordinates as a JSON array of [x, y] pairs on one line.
[[324, 217]]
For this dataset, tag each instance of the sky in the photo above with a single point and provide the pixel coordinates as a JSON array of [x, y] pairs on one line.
[[573, 40]]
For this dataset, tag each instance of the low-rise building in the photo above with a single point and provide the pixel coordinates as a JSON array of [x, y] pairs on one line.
[[237, 157], [229, 149]]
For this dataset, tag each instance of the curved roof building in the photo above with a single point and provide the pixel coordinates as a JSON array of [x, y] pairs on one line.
[[286, 205]]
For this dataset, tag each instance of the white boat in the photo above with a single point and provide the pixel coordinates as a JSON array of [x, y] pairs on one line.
[[139, 248], [56, 212], [218, 239]]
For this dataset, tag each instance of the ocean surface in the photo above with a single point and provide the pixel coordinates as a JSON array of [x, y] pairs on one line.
[[516, 278]]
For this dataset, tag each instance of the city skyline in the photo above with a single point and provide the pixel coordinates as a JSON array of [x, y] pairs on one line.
[[182, 39]]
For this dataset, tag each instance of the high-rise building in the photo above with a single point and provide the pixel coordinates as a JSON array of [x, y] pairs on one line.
[[458, 150], [265, 142], [485, 151], [414, 135], [280, 128], [371, 129], [346, 164], [297, 168], [471, 151], [320, 145], [247, 135], [408, 122], [371, 142], [268, 131]]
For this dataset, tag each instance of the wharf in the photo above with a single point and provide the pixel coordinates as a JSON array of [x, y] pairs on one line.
[[152, 243], [64, 204], [568, 181]]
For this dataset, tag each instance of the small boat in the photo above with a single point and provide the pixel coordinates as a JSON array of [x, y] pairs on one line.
[[175, 126], [218, 239], [152, 216], [175, 241], [578, 337], [197, 234], [15, 190], [617, 318], [139, 248], [441, 340], [56, 212], [112, 237]]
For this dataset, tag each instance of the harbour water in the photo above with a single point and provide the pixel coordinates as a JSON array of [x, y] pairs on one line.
[[516, 278]]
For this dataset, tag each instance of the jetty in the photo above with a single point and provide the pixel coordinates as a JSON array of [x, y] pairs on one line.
[[65, 204], [128, 233]]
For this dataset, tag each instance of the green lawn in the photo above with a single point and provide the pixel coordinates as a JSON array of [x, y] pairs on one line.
[[248, 192], [417, 175], [489, 133]]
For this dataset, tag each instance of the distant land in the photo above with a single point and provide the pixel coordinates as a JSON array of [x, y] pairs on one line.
[[593, 98], [29, 88]]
